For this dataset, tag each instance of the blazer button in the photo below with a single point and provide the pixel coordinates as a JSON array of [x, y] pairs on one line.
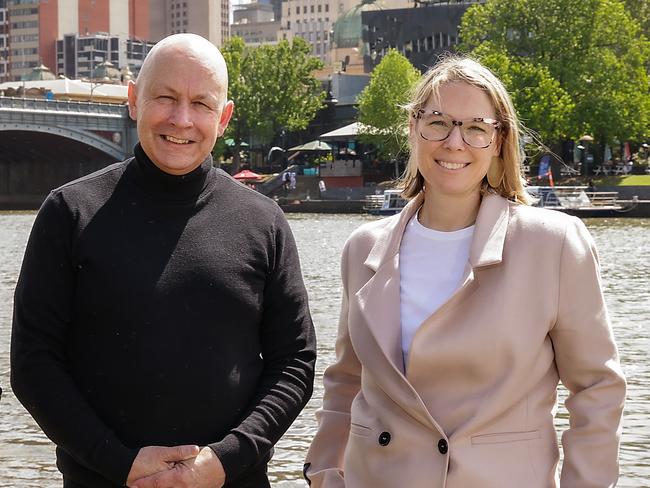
[[443, 447], [384, 438]]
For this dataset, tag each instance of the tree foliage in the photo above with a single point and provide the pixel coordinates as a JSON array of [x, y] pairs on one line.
[[273, 89], [380, 104], [639, 10], [573, 66]]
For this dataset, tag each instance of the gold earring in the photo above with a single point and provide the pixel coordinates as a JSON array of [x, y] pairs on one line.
[[495, 173]]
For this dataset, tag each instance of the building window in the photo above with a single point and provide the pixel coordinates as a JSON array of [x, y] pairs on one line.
[[288, 25], [288, 11], [311, 9], [327, 7], [304, 9]]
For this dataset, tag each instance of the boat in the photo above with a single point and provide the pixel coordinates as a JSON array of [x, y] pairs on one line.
[[388, 203], [578, 201], [573, 200]]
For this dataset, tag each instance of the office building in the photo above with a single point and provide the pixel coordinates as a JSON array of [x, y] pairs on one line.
[[421, 34], [79, 56], [255, 23]]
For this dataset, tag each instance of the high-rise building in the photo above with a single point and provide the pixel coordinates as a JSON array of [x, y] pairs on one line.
[[255, 23], [207, 18], [80, 56], [32, 27], [314, 20], [4, 41]]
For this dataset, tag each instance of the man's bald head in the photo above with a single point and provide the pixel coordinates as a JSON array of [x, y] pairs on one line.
[[191, 46], [179, 102]]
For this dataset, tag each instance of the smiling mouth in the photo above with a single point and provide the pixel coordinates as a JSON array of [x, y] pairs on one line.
[[451, 166], [175, 140]]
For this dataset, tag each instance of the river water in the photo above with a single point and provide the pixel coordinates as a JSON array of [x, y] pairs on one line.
[[27, 456]]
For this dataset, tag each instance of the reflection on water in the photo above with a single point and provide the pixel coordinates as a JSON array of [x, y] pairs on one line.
[[27, 457]]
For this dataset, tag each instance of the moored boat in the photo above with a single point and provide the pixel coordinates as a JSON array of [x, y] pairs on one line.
[[388, 203], [578, 200]]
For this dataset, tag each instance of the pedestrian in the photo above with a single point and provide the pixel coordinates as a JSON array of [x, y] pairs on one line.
[[461, 314], [161, 332]]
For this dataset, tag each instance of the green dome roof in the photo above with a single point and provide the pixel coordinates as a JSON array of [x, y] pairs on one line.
[[347, 29], [39, 73], [106, 71]]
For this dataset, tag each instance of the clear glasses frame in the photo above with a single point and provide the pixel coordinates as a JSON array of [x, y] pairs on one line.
[[462, 126]]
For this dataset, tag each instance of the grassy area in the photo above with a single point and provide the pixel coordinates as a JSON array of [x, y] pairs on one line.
[[629, 180]]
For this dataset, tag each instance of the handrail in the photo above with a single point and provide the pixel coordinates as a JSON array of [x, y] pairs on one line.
[[68, 106]]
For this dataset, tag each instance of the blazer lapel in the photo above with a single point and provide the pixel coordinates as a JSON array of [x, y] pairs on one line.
[[379, 298], [490, 232], [379, 303]]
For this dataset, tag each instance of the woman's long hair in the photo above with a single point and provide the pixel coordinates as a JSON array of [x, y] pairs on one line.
[[464, 69]]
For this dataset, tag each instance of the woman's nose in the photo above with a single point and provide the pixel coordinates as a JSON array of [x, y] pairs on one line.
[[454, 140]]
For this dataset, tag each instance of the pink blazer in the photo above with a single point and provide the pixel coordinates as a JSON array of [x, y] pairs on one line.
[[475, 406]]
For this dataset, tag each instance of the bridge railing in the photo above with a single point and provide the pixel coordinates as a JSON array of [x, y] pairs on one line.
[[69, 106]]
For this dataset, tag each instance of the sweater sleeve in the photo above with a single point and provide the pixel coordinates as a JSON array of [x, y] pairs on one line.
[[288, 346], [587, 361], [43, 315]]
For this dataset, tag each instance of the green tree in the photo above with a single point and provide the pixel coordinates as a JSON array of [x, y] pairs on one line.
[[273, 88], [380, 104], [640, 11], [592, 50], [544, 106]]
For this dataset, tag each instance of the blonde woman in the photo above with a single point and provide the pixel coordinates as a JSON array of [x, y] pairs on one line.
[[461, 315]]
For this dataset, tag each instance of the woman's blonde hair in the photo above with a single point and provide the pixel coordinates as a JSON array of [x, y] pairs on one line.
[[461, 68]]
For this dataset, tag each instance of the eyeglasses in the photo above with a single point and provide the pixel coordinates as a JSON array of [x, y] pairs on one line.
[[477, 132]]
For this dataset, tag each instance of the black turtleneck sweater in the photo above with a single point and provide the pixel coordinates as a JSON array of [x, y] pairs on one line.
[[154, 309]]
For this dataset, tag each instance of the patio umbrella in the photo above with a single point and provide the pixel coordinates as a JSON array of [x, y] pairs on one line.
[[246, 174], [312, 146], [231, 142]]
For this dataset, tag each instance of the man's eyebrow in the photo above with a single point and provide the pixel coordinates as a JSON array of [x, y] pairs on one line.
[[201, 96]]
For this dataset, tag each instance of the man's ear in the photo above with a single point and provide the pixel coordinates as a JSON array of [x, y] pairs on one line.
[[226, 114], [132, 97]]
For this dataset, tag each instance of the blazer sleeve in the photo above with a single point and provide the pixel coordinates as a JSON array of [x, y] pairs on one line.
[[588, 365], [342, 382]]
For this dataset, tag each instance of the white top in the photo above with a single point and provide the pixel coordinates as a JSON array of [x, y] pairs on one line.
[[432, 264]]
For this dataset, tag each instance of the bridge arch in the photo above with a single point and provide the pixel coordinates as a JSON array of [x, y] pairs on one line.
[[88, 138]]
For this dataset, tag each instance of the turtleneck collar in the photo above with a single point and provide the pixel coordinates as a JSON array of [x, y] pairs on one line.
[[174, 188]]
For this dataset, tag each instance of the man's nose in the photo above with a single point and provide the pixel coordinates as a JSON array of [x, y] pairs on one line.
[[181, 116], [454, 140]]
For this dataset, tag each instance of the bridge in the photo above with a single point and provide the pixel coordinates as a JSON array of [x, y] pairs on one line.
[[45, 143]]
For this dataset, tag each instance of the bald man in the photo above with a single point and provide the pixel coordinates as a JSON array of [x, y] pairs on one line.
[[161, 333]]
